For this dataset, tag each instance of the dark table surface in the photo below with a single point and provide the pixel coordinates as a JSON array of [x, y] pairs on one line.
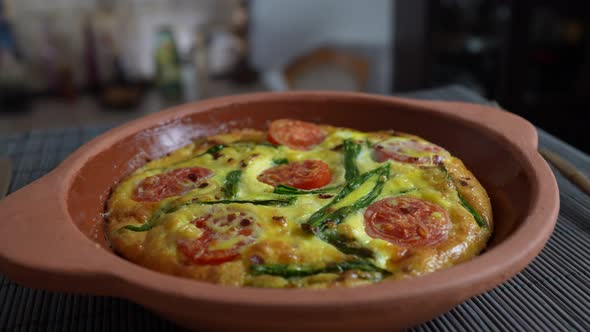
[[551, 294]]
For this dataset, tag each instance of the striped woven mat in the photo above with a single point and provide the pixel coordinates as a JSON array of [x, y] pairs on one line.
[[551, 294]]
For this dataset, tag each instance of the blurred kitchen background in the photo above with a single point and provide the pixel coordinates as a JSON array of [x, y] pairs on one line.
[[66, 63]]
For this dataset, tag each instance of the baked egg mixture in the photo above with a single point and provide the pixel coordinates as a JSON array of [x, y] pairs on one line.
[[301, 205]]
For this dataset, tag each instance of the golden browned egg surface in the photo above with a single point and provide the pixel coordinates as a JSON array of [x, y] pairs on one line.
[[301, 205]]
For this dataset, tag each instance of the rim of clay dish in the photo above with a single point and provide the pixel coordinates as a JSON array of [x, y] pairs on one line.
[[499, 263]]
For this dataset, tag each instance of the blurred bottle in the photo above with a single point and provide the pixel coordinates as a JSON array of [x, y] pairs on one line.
[[14, 78], [190, 83], [168, 66], [8, 50], [229, 48], [90, 56], [49, 54], [194, 68], [224, 53], [67, 88], [7, 40], [242, 72], [59, 59], [105, 29]]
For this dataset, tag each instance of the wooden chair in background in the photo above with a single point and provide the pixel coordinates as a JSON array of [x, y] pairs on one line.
[[327, 69]]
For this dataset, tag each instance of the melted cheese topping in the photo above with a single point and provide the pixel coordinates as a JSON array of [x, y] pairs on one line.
[[280, 236]]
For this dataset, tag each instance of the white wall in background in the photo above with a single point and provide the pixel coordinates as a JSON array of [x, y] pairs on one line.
[[285, 29]]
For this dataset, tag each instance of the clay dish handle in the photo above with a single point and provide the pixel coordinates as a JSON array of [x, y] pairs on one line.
[[39, 245]]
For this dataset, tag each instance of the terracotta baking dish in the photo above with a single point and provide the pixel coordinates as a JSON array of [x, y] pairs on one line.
[[51, 231]]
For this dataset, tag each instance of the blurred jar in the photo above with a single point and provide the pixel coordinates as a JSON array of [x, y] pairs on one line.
[[195, 70], [168, 65]]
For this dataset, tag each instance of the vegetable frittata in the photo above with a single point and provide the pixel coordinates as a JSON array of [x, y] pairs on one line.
[[301, 205]]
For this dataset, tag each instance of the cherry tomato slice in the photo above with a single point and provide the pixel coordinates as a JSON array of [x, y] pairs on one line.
[[216, 230], [307, 174], [173, 183], [295, 134], [409, 151], [407, 221]]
